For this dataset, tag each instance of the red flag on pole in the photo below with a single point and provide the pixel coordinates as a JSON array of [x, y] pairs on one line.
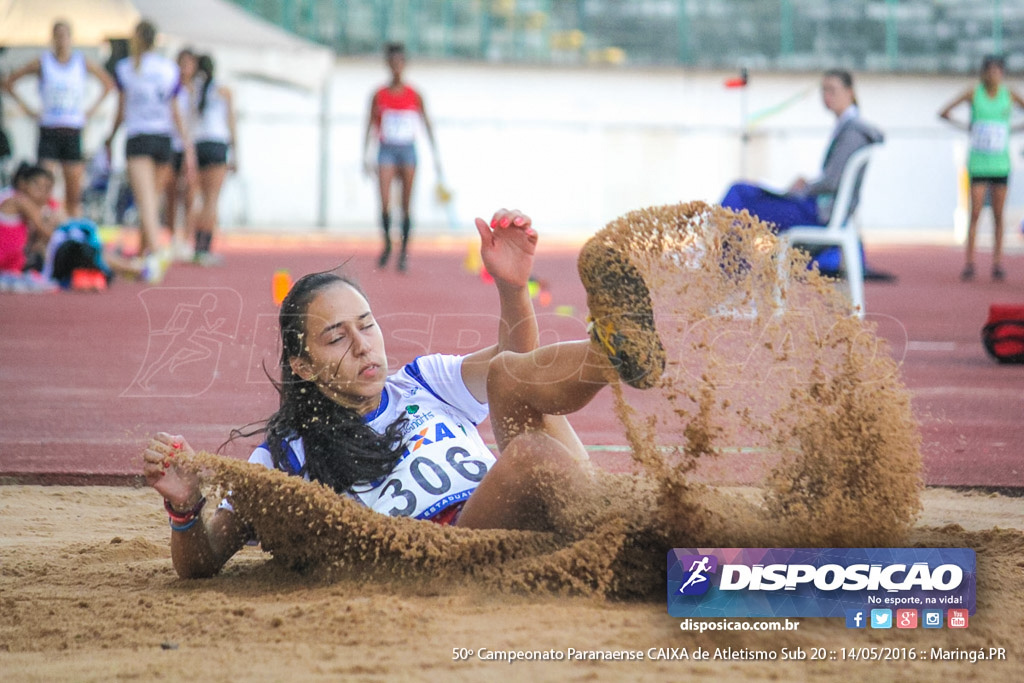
[[739, 82]]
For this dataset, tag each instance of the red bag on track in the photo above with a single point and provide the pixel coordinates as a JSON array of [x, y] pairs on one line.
[[1003, 333]]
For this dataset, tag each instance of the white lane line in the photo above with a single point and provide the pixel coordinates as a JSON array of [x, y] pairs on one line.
[[931, 346]]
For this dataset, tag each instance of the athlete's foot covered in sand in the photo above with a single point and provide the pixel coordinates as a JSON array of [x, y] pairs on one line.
[[621, 318]]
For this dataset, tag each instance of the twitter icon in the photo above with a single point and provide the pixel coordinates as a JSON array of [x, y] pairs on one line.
[[881, 618]]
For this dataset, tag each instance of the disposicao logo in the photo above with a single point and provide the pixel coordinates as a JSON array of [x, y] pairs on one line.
[[818, 582], [696, 581]]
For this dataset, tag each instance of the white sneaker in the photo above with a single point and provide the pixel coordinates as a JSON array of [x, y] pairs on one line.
[[7, 281], [183, 252], [208, 260], [27, 283], [154, 268]]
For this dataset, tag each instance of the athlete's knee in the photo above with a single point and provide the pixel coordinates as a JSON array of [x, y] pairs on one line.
[[537, 456], [500, 375]]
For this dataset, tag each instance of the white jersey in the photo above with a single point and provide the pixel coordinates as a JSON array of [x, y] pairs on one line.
[[62, 91], [149, 92], [445, 458], [212, 121]]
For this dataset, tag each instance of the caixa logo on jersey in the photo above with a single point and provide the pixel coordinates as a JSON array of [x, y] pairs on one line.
[[816, 582]]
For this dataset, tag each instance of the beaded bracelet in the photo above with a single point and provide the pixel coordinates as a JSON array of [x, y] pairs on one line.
[[183, 517]]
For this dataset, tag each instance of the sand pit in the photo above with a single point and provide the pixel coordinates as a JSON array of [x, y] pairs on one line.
[[780, 421], [87, 593]]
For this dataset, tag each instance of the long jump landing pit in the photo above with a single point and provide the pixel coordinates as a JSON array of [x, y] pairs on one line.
[[329, 621]]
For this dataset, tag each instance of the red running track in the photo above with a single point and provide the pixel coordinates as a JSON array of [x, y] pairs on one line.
[[86, 378]]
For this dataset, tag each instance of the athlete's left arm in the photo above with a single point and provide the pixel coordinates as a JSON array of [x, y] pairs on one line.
[[507, 247], [185, 134], [430, 134], [1017, 100], [225, 92], [105, 80]]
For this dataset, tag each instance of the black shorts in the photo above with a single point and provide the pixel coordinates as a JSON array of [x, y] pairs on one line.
[[177, 161], [60, 144], [211, 154], [989, 180], [157, 147]]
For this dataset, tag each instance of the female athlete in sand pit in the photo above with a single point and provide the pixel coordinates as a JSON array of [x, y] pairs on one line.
[[407, 444]]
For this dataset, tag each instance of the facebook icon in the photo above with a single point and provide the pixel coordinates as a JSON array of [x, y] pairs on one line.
[[856, 618]]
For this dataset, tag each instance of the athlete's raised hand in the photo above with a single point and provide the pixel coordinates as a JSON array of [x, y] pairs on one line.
[[179, 487], [507, 246]]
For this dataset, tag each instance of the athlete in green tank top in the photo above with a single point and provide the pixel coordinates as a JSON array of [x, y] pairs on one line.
[[988, 162], [990, 133]]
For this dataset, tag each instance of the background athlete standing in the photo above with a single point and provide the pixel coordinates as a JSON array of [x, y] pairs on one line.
[[62, 73], [988, 162], [395, 112], [149, 85]]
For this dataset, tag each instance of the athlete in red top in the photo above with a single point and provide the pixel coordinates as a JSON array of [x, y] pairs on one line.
[[395, 112]]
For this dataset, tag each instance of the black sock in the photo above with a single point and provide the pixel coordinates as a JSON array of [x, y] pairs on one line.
[[203, 240], [406, 229], [385, 223]]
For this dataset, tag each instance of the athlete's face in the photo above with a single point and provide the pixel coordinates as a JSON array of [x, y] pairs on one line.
[[993, 74], [835, 95], [61, 38], [344, 349], [187, 66], [396, 63], [38, 189]]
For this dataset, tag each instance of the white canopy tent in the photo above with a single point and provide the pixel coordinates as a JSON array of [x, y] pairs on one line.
[[28, 23], [280, 83], [243, 44]]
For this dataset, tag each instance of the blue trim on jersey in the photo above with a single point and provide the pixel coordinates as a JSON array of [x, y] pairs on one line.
[[294, 467], [384, 401], [413, 370], [445, 503]]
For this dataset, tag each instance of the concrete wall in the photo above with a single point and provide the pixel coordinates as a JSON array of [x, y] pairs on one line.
[[575, 147]]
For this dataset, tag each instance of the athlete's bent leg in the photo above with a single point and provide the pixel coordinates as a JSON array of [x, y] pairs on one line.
[[535, 476]]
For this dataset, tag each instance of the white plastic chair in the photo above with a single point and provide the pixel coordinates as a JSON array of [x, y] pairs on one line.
[[841, 230]]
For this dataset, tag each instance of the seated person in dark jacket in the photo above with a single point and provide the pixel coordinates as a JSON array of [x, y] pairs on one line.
[[809, 202]]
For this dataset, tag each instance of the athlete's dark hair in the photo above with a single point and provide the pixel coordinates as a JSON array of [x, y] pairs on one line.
[[993, 60], [392, 49], [27, 172], [844, 77], [146, 33], [341, 448], [204, 66]]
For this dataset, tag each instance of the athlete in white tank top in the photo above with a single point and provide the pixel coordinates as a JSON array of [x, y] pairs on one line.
[[148, 91], [62, 91], [215, 136], [213, 124], [62, 114], [147, 107]]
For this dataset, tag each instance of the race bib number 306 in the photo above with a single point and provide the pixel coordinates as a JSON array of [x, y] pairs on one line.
[[442, 466]]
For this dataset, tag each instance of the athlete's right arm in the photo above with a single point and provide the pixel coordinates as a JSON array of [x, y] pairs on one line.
[[964, 97], [202, 549], [370, 118], [118, 118], [35, 68]]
